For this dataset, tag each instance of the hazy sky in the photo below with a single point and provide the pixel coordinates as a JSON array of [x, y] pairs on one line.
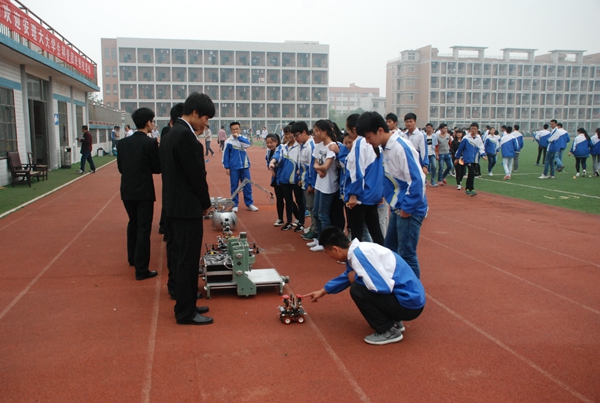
[[362, 35]]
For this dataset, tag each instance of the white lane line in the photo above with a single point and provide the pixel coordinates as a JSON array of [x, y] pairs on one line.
[[515, 276], [541, 188], [519, 240], [147, 386], [45, 269], [513, 352], [332, 354], [44, 195]]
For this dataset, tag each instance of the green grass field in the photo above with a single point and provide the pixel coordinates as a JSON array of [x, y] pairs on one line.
[[578, 194], [12, 197]]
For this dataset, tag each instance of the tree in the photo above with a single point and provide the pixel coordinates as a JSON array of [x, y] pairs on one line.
[[340, 118]]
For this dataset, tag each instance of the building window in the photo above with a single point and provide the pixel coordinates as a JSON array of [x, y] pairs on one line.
[[114, 71], [410, 68], [113, 53], [411, 56], [106, 53], [115, 89], [107, 89], [107, 71], [8, 126]]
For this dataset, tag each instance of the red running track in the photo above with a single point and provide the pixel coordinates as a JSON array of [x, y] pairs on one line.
[[513, 310]]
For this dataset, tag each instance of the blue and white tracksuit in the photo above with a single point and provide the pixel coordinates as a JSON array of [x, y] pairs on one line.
[[382, 272], [306, 162], [287, 164], [236, 160], [509, 146], [491, 144], [595, 151], [470, 149], [419, 141], [404, 189], [364, 174]]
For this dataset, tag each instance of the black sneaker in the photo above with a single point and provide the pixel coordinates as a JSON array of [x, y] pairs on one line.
[[287, 227], [299, 228]]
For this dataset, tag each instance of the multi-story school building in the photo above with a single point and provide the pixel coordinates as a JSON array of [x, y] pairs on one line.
[[347, 99], [517, 87], [44, 86], [256, 83]]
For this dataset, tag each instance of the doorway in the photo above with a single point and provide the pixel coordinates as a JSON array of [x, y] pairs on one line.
[[39, 131]]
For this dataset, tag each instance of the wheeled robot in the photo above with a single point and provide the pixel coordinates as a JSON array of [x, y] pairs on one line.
[[292, 310]]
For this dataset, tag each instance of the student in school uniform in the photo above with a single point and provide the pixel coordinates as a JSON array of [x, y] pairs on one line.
[[508, 145], [273, 142], [541, 138], [595, 152], [581, 151], [492, 146], [237, 165], [307, 173], [469, 150], [519, 137]]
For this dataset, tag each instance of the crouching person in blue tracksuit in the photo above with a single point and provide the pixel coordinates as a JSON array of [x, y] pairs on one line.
[[382, 284], [237, 165]]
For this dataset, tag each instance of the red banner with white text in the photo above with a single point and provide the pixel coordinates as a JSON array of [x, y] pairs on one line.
[[16, 20]]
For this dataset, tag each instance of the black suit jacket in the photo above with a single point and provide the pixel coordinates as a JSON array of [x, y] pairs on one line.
[[137, 160], [185, 191]]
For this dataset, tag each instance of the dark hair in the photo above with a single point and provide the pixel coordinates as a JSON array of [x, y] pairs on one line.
[[234, 123], [391, 116], [370, 122], [598, 131], [554, 120], [559, 124], [117, 127], [442, 126], [503, 127], [126, 126], [84, 127], [509, 129], [199, 103], [288, 129], [176, 112], [274, 137], [545, 126], [474, 124], [222, 127], [429, 124], [461, 131], [516, 127], [488, 127], [351, 120], [339, 136], [333, 236], [325, 126], [409, 116], [582, 131], [299, 127], [142, 116]]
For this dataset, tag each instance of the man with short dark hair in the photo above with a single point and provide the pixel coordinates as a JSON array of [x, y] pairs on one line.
[[403, 187], [186, 199], [417, 138], [86, 150], [137, 160], [468, 152]]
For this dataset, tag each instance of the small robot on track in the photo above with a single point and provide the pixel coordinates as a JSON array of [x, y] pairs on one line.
[[292, 310]]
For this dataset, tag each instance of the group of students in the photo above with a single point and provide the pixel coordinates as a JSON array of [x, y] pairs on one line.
[[552, 144]]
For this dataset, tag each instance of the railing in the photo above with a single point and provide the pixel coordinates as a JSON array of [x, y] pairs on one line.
[[17, 37]]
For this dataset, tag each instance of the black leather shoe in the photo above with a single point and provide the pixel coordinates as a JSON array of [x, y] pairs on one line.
[[198, 296], [201, 309], [144, 276], [197, 320]]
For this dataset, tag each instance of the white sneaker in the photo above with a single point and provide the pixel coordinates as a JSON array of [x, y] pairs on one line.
[[458, 187], [252, 207], [490, 174], [577, 175], [317, 248], [278, 223], [584, 173], [235, 209], [543, 177], [313, 243]]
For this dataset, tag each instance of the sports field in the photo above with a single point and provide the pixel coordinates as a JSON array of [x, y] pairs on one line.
[[581, 194]]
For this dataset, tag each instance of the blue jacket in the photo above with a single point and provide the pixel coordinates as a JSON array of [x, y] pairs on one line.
[[287, 160], [491, 144], [542, 138], [382, 272], [509, 146], [404, 183], [564, 139], [519, 137], [342, 158], [555, 141], [469, 149], [308, 175], [364, 174], [595, 149], [234, 154], [581, 147]]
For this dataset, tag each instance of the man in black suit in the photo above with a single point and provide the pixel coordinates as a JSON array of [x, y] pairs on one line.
[[186, 199], [137, 160]]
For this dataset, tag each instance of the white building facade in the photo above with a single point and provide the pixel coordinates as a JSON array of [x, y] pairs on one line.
[[44, 85], [255, 83], [515, 88]]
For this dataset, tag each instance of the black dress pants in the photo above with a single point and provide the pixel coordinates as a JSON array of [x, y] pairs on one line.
[[471, 176], [140, 214], [187, 244], [293, 208], [364, 214], [380, 310]]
